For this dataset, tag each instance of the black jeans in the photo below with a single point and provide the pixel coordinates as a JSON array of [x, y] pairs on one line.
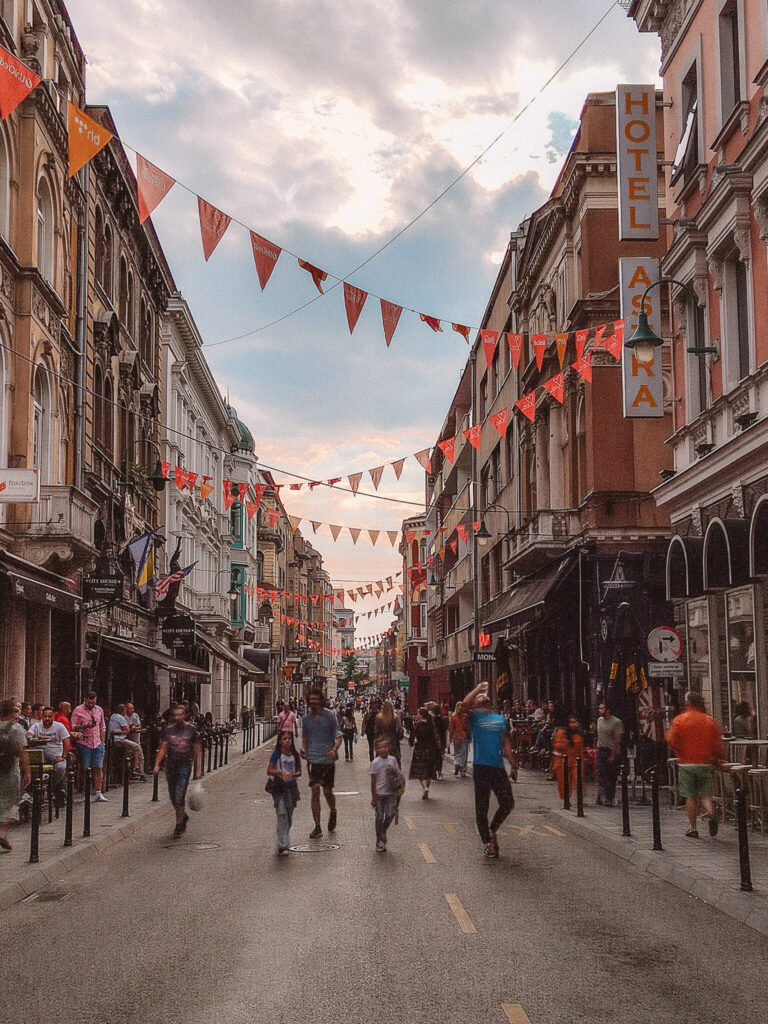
[[607, 773], [491, 780], [349, 744]]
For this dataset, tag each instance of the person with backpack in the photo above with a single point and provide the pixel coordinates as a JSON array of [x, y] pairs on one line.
[[13, 754]]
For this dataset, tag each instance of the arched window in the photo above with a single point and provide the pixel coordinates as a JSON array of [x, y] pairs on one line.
[[45, 231], [130, 307], [98, 246], [123, 301], [108, 417], [259, 566], [107, 263], [5, 189], [42, 448], [145, 336], [98, 404]]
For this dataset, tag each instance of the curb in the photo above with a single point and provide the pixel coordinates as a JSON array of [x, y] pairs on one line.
[[16, 890], [728, 900]]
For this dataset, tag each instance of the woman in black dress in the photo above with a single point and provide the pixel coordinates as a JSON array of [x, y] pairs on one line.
[[426, 752]]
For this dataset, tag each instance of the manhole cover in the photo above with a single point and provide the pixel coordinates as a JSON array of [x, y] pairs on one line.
[[346, 792], [315, 848], [47, 897], [192, 846]]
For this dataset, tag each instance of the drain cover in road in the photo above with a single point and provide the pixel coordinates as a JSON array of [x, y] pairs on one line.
[[315, 848], [192, 846]]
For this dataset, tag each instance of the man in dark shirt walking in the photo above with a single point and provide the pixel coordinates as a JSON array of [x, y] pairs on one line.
[[320, 741], [180, 749]]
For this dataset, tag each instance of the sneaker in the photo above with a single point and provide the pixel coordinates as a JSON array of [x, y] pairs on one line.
[[284, 852], [380, 846], [494, 845], [316, 833], [99, 798], [332, 822], [488, 851], [425, 795], [713, 826], [184, 823], [177, 832]]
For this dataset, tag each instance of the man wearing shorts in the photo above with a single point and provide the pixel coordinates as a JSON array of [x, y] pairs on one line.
[[88, 720], [696, 743], [320, 740]]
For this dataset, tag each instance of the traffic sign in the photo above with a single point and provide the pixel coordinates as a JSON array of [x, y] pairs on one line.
[[665, 669], [665, 644]]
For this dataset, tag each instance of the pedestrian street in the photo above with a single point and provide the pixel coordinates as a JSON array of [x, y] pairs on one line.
[[214, 926]]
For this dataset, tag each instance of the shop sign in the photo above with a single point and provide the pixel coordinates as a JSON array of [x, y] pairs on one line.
[[104, 587], [19, 485], [404, 685], [179, 631], [636, 170], [665, 669], [485, 656], [642, 384]]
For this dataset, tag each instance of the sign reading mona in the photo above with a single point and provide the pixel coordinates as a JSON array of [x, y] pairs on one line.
[[642, 383]]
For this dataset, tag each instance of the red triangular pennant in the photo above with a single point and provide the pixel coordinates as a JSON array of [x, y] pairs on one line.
[[462, 330], [615, 343], [398, 467], [354, 533], [317, 275], [581, 341], [462, 531], [392, 534], [192, 479], [447, 447], [250, 508], [181, 477], [599, 332], [354, 300], [431, 321], [489, 339], [527, 405], [335, 531], [390, 315], [515, 342], [454, 545], [473, 434], [374, 535], [583, 367], [424, 459], [561, 342], [500, 420], [213, 224], [265, 256], [274, 515], [539, 342], [555, 386], [376, 476], [153, 186], [354, 481], [16, 82]]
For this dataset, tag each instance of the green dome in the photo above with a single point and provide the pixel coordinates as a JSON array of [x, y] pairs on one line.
[[247, 444]]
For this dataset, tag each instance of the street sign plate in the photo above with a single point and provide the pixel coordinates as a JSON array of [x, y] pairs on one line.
[[665, 669], [665, 644]]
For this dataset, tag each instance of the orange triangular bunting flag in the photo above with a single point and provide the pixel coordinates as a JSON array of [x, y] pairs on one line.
[[515, 342], [583, 366], [527, 405], [615, 343], [581, 341], [250, 508], [431, 321], [317, 275], [555, 386], [335, 531], [265, 256], [182, 478], [206, 487], [354, 300], [539, 342], [354, 481], [16, 82], [599, 332], [354, 533], [473, 434], [398, 467], [86, 138], [448, 448], [561, 341], [390, 315], [295, 521], [376, 476], [489, 339], [374, 535], [462, 530], [462, 330], [314, 525], [392, 534], [153, 186], [424, 460], [213, 224], [274, 515], [500, 420]]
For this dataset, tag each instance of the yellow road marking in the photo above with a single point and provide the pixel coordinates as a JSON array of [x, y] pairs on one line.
[[526, 831], [554, 831], [410, 824], [465, 921], [427, 853], [450, 827], [515, 1013]]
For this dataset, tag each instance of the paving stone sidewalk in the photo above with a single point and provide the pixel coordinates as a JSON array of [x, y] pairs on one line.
[[19, 879], [706, 868]]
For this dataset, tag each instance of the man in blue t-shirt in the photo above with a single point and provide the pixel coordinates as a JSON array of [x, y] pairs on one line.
[[320, 741], [491, 742]]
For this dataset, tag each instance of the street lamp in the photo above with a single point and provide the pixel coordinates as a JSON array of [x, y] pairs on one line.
[[483, 535], [156, 477], [233, 593], [645, 341]]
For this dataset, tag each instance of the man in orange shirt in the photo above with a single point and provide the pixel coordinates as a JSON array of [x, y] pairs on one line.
[[696, 742]]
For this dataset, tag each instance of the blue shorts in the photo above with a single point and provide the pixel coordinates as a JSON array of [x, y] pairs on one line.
[[178, 780], [90, 757]]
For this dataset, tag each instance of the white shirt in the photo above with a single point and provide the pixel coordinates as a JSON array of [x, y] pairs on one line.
[[55, 735]]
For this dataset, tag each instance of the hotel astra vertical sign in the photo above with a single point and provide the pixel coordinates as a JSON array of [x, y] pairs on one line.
[[636, 163], [642, 385]]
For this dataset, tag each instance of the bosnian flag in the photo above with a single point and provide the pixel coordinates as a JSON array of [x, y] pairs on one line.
[[161, 589]]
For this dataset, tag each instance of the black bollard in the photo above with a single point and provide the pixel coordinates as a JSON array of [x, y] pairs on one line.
[[566, 785], [87, 805], [127, 761], [155, 780], [579, 789], [655, 811], [49, 788], [209, 741], [215, 743], [624, 801], [226, 748], [741, 821], [70, 806], [37, 808]]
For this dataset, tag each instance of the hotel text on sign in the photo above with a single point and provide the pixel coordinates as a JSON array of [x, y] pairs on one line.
[[636, 162]]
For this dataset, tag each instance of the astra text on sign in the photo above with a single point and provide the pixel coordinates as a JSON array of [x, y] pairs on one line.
[[643, 385], [636, 162]]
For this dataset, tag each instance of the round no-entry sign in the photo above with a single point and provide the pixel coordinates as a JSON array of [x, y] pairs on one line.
[[665, 644]]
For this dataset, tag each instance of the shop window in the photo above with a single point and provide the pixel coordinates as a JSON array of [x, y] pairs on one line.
[[697, 648], [741, 692]]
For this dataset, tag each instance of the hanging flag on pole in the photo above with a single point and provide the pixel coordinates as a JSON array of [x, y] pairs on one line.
[[175, 577], [16, 82], [143, 555]]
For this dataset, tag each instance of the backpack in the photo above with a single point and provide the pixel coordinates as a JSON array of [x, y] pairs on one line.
[[396, 780], [8, 751]]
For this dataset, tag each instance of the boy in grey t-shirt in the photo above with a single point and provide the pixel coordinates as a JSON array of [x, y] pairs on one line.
[[609, 733]]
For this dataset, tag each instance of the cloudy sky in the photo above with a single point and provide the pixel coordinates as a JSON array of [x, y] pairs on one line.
[[327, 127]]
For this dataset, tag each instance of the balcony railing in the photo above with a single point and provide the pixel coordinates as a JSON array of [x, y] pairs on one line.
[[543, 536], [64, 512]]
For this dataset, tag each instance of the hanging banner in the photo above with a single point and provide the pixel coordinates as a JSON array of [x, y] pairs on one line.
[[432, 322], [374, 535], [354, 533], [500, 420], [213, 224], [555, 386], [515, 342], [527, 405], [643, 385], [390, 316], [354, 481], [398, 467], [474, 434], [424, 460], [636, 162], [376, 476], [581, 341], [152, 184], [561, 343], [86, 138], [539, 342], [354, 300], [489, 339], [448, 448], [462, 330], [16, 82], [265, 256], [583, 367]]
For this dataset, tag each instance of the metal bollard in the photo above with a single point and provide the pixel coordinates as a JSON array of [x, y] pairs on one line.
[[209, 741], [579, 789], [226, 748], [155, 781], [655, 811], [566, 784], [127, 762], [87, 805], [215, 744], [624, 801], [70, 806], [741, 820], [37, 807]]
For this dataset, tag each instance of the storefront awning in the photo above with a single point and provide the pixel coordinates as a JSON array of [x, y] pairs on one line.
[[529, 595], [684, 567], [136, 650], [30, 582], [725, 554], [225, 652], [257, 657]]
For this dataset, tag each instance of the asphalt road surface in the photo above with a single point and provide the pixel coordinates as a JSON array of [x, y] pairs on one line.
[[216, 928]]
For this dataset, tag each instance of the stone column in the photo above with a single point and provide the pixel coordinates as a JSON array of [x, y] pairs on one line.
[[556, 474]]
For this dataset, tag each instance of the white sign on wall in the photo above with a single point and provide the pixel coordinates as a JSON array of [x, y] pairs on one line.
[[636, 162], [642, 384], [19, 485]]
